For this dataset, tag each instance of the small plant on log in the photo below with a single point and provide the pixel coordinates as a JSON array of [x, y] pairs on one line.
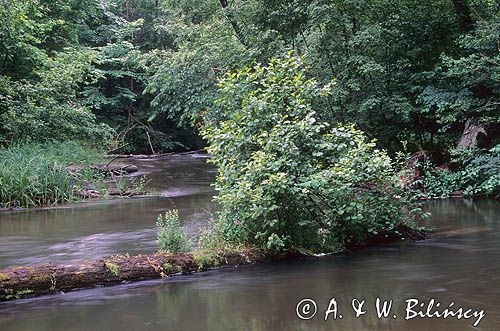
[[172, 237], [112, 267], [170, 268]]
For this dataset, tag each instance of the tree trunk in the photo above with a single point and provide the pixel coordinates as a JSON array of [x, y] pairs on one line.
[[471, 133], [22, 282]]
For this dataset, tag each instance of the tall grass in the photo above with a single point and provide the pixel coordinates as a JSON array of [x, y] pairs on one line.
[[36, 175]]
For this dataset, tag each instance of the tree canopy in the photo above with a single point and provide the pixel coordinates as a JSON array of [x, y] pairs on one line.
[[144, 72]]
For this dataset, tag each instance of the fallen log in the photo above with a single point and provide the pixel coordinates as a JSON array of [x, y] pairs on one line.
[[109, 169], [32, 281], [25, 282]]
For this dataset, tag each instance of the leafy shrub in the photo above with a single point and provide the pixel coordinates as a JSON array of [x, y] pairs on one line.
[[122, 185], [483, 173], [437, 182], [131, 185], [478, 173], [287, 179], [171, 236], [48, 108]]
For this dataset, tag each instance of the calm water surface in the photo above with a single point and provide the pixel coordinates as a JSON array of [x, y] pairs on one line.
[[462, 267]]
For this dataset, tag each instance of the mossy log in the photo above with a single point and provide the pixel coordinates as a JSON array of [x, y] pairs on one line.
[[23, 282]]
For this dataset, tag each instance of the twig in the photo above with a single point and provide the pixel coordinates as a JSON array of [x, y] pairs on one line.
[[150, 145]]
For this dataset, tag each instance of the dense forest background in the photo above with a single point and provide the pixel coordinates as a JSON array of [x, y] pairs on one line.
[[139, 75]]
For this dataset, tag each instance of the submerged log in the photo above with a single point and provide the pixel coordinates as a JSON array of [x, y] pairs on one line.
[[460, 232]]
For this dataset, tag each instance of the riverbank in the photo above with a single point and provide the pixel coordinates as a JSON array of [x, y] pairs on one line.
[[40, 175], [37, 176]]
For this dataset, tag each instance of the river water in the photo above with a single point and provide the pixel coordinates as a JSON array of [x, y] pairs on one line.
[[461, 266], [91, 230]]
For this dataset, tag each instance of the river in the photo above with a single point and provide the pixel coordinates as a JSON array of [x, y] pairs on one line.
[[95, 229], [461, 267]]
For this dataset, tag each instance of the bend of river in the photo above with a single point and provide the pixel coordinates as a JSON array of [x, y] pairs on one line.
[[463, 267]]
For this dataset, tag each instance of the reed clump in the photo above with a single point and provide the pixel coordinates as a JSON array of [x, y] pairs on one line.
[[38, 174]]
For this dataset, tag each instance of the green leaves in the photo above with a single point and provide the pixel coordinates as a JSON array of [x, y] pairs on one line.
[[400, 70], [171, 236], [286, 178], [474, 172], [46, 108]]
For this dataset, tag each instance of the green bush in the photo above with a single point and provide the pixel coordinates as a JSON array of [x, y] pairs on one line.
[[473, 172], [286, 178], [171, 236], [438, 183], [482, 173], [49, 108]]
